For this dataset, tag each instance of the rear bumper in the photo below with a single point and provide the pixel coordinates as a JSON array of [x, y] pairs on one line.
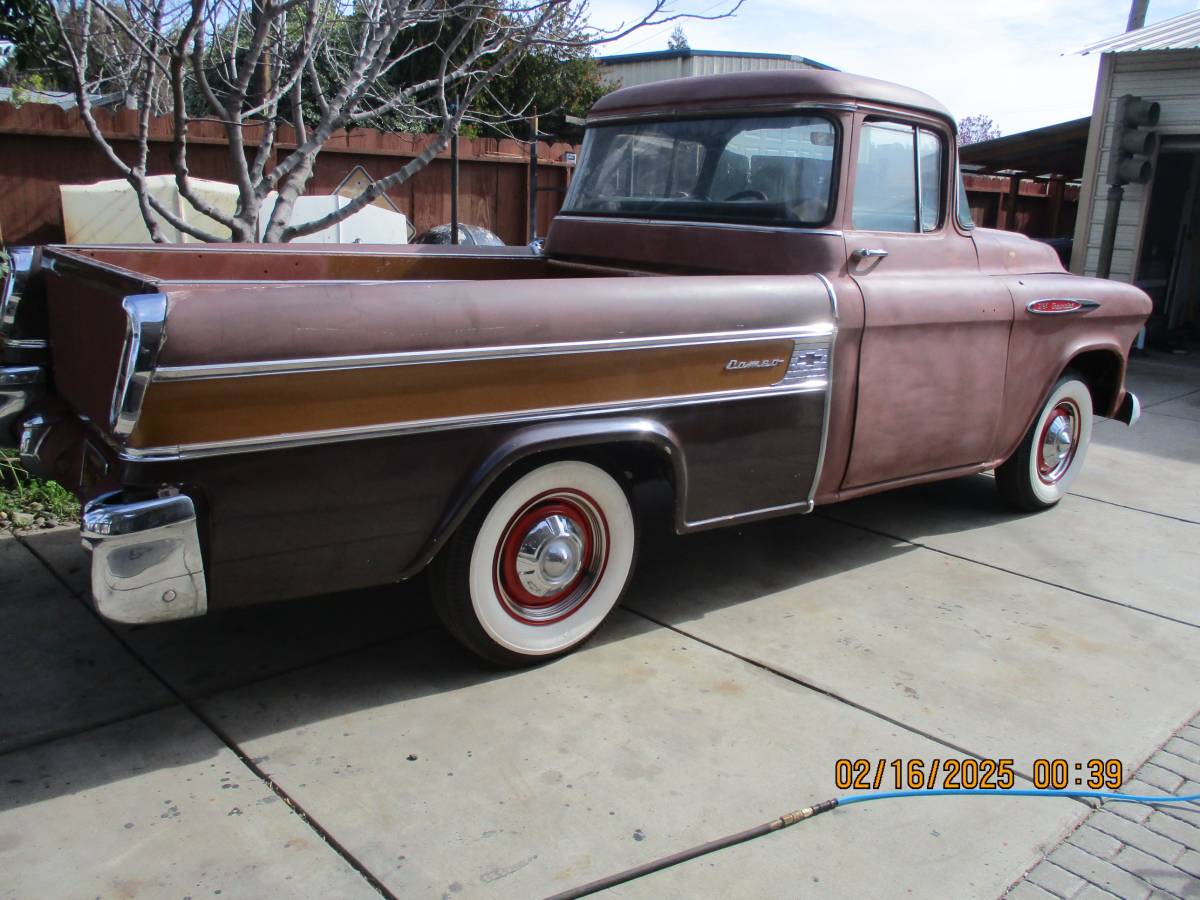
[[146, 562], [1130, 409]]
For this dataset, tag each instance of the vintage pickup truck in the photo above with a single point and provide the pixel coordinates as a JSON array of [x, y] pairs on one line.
[[764, 289]]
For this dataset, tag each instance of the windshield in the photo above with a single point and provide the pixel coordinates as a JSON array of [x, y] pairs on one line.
[[773, 170]]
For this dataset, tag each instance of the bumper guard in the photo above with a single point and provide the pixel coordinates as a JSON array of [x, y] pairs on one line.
[[146, 562]]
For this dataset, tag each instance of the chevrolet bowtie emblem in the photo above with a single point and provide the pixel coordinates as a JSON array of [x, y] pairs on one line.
[[735, 364]]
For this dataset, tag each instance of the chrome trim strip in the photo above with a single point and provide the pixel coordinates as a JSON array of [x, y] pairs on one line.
[[146, 560], [21, 376], [145, 328], [1083, 305], [675, 223], [22, 344], [20, 260], [362, 432], [802, 506], [471, 354], [20, 388], [820, 467], [291, 249]]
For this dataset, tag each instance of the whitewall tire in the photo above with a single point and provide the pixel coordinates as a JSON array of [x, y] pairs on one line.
[[1040, 472], [539, 564]]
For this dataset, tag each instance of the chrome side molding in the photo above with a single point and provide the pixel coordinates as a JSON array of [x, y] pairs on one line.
[[20, 387], [146, 319], [146, 561], [21, 261]]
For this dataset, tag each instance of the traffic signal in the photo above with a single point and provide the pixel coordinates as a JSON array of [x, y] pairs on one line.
[[1132, 146]]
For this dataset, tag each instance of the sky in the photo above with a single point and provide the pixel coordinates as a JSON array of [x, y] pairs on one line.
[[1012, 60]]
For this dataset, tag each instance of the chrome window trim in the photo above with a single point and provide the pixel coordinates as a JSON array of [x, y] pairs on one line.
[[676, 223], [718, 111], [473, 354], [145, 328], [361, 432], [820, 467]]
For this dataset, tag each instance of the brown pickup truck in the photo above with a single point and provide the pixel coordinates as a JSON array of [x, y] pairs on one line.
[[764, 289]]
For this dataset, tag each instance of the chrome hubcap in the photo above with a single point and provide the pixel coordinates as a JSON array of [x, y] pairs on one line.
[[1057, 449], [550, 556], [1057, 445]]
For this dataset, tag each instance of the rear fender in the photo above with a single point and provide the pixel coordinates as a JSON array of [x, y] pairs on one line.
[[554, 437]]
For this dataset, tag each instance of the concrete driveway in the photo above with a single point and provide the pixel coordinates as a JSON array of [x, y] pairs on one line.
[[346, 747]]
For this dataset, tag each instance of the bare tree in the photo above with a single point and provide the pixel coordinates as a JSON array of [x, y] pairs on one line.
[[977, 128], [316, 65], [678, 39]]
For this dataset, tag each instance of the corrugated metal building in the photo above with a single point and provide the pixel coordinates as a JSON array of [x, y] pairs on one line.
[[629, 69], [1158, 231]]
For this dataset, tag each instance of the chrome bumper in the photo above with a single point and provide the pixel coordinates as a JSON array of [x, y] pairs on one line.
[[20, 387], [146, 563], [1130, 410]]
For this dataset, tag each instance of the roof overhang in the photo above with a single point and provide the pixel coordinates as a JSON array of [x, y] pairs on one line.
[[1053, 150]]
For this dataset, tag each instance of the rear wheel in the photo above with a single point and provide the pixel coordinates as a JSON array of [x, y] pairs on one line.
[[1041, 470], [535, 569]]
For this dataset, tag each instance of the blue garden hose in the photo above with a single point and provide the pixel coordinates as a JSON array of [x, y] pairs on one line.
[[789, 819], [1016, 792]]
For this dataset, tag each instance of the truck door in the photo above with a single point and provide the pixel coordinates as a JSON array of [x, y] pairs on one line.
[[935, 336]]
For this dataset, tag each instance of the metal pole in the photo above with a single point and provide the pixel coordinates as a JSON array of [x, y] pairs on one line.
[[1137, 15], [1115, 194], [533, 178], [454, 187]]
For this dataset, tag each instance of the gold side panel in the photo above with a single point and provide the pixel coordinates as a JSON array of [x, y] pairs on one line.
[[238, 408]]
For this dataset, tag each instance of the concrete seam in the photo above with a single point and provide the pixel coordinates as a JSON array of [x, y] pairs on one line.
[[997, 568], [324, 834], [1148, 512], [1189, 393]]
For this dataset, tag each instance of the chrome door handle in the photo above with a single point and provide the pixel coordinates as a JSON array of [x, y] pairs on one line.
[[869, 253]]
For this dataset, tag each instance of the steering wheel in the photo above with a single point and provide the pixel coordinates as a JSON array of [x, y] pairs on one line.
[[748, 194]]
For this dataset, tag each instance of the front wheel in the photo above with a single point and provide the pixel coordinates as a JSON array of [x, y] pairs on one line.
[[533, 571], [1041, 470]]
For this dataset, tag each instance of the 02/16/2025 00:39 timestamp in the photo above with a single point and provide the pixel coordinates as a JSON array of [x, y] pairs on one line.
[[971, 774]]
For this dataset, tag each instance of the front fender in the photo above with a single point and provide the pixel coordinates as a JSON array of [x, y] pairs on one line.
[[547, 437]]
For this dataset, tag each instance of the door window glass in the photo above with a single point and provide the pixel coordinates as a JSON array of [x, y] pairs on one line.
[[885, 180], [929, 161]]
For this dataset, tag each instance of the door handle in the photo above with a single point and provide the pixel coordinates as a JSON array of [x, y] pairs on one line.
[[869, 253]]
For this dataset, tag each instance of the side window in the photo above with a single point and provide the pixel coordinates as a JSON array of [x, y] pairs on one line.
[[929, 163], [885, 181], [898, 178], [964, 205]]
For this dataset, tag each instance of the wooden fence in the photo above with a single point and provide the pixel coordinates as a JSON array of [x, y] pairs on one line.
[[1039, 208], [43, 146]]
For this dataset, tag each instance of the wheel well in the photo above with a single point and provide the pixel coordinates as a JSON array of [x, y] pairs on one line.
[[1101, 372]]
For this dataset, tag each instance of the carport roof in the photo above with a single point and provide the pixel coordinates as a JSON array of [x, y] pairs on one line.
[[1179, 33], [1053, 150]]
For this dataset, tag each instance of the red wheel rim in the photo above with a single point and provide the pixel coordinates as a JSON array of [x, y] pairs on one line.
[[1058, 441], [550, 557]]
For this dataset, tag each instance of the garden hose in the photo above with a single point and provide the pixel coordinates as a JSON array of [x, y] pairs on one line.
[[808, 812]]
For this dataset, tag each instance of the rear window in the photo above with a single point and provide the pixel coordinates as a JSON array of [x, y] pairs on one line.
[[772, 170]]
